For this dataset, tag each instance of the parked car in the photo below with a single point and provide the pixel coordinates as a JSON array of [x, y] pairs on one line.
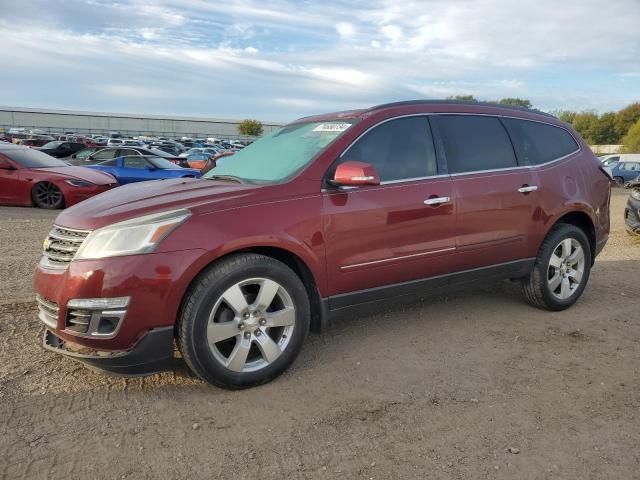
[[205, 150], [624, 172], [620, 157], [632, 210], [114, 142], [61, 149], [134, 143], [29, 177], [322, 216], [197, 160], [81, 157], [139, 169], [110, 153], [214, 161], [34, 142]]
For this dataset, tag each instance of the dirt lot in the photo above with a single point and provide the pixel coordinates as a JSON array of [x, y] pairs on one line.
[[434, 390]]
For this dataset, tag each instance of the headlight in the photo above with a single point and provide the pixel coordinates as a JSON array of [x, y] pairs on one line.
[[635, 193], [74, 182], [138, 235]]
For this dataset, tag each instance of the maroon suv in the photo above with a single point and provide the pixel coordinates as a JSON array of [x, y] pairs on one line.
[[327, 213]]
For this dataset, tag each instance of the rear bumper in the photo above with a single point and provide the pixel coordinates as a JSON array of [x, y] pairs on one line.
[[152, 354]]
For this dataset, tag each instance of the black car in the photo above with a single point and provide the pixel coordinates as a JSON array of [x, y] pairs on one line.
[[60, 149], [109, 153], [80, 157], [632, 210]]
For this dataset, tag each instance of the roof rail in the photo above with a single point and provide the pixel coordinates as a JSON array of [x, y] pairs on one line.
[[459, 102]]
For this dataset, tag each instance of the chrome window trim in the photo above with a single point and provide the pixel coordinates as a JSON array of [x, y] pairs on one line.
[[427, 114]]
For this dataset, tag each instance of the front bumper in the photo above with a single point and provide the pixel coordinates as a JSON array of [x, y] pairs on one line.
[[154, 282], [73, 195], [152, 354], [632, 216]]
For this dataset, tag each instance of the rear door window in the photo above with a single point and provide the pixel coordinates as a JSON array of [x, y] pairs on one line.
[[399, 149], [630, 166], [537, 143], [474, 143]]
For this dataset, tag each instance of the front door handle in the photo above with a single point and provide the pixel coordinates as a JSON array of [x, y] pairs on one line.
[[528, 188], [437, 200]]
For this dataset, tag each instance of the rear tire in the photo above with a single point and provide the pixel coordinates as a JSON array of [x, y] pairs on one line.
[[243, 321], [561, 269], [47, 195], [619, 181]]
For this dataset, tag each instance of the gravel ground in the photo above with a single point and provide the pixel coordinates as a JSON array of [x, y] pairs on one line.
[[466, 386]]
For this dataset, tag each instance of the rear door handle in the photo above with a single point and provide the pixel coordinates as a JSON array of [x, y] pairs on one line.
[[528, 188], [437, 200]]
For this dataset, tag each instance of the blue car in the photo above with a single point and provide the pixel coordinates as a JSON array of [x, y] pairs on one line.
[[624, 172], [139, 169]]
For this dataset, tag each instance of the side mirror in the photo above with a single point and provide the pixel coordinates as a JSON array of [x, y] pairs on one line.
[[355, 174], [4, 165], [151, 168]]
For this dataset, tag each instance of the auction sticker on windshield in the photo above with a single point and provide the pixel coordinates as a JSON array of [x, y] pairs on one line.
[[332, 127]]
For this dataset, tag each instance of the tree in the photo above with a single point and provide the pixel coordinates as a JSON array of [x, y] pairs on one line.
[[631, 140], [567, 116], [463, 98], [585, 124], [516, 102], [250, 127], [604, 131], [626, 117]]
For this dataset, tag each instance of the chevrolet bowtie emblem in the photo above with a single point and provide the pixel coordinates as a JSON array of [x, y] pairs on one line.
[[45, 244]]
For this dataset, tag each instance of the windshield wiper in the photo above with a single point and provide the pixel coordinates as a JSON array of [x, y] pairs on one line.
[[224, 178]]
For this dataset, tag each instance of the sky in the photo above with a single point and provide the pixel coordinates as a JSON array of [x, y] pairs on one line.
[[277, 60]]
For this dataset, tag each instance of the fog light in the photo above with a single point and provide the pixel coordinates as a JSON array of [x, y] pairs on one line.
[[96, 317], [99, 303]]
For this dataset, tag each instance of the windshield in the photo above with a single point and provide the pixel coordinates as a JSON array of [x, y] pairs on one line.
[[282, 153], [52, 144], [30, 158], [162, 163]]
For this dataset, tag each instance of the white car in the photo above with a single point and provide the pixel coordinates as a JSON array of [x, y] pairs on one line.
[[619, 157]]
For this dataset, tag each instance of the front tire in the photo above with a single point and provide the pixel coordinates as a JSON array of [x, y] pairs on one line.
[[561, 269], [243, 321], [47, 195]]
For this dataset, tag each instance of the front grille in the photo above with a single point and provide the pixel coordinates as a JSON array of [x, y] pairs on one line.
[[61, 245], [47, 311]]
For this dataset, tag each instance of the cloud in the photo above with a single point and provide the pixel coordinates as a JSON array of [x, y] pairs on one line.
[[345, 29], [284, 58]]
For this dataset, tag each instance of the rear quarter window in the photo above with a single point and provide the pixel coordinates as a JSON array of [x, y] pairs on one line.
[[538, 143]]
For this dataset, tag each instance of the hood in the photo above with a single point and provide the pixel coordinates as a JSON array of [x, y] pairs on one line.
[[82, 173], [143, 198]]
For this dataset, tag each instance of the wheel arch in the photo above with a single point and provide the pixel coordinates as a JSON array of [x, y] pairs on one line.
[[582, 220], [319, 310]]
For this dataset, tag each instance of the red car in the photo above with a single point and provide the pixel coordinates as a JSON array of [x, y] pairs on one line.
[[29, 177], [324, 215]]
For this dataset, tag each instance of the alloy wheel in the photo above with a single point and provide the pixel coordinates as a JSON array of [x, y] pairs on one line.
[[251, 324], [566, 268], [47, 194]]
